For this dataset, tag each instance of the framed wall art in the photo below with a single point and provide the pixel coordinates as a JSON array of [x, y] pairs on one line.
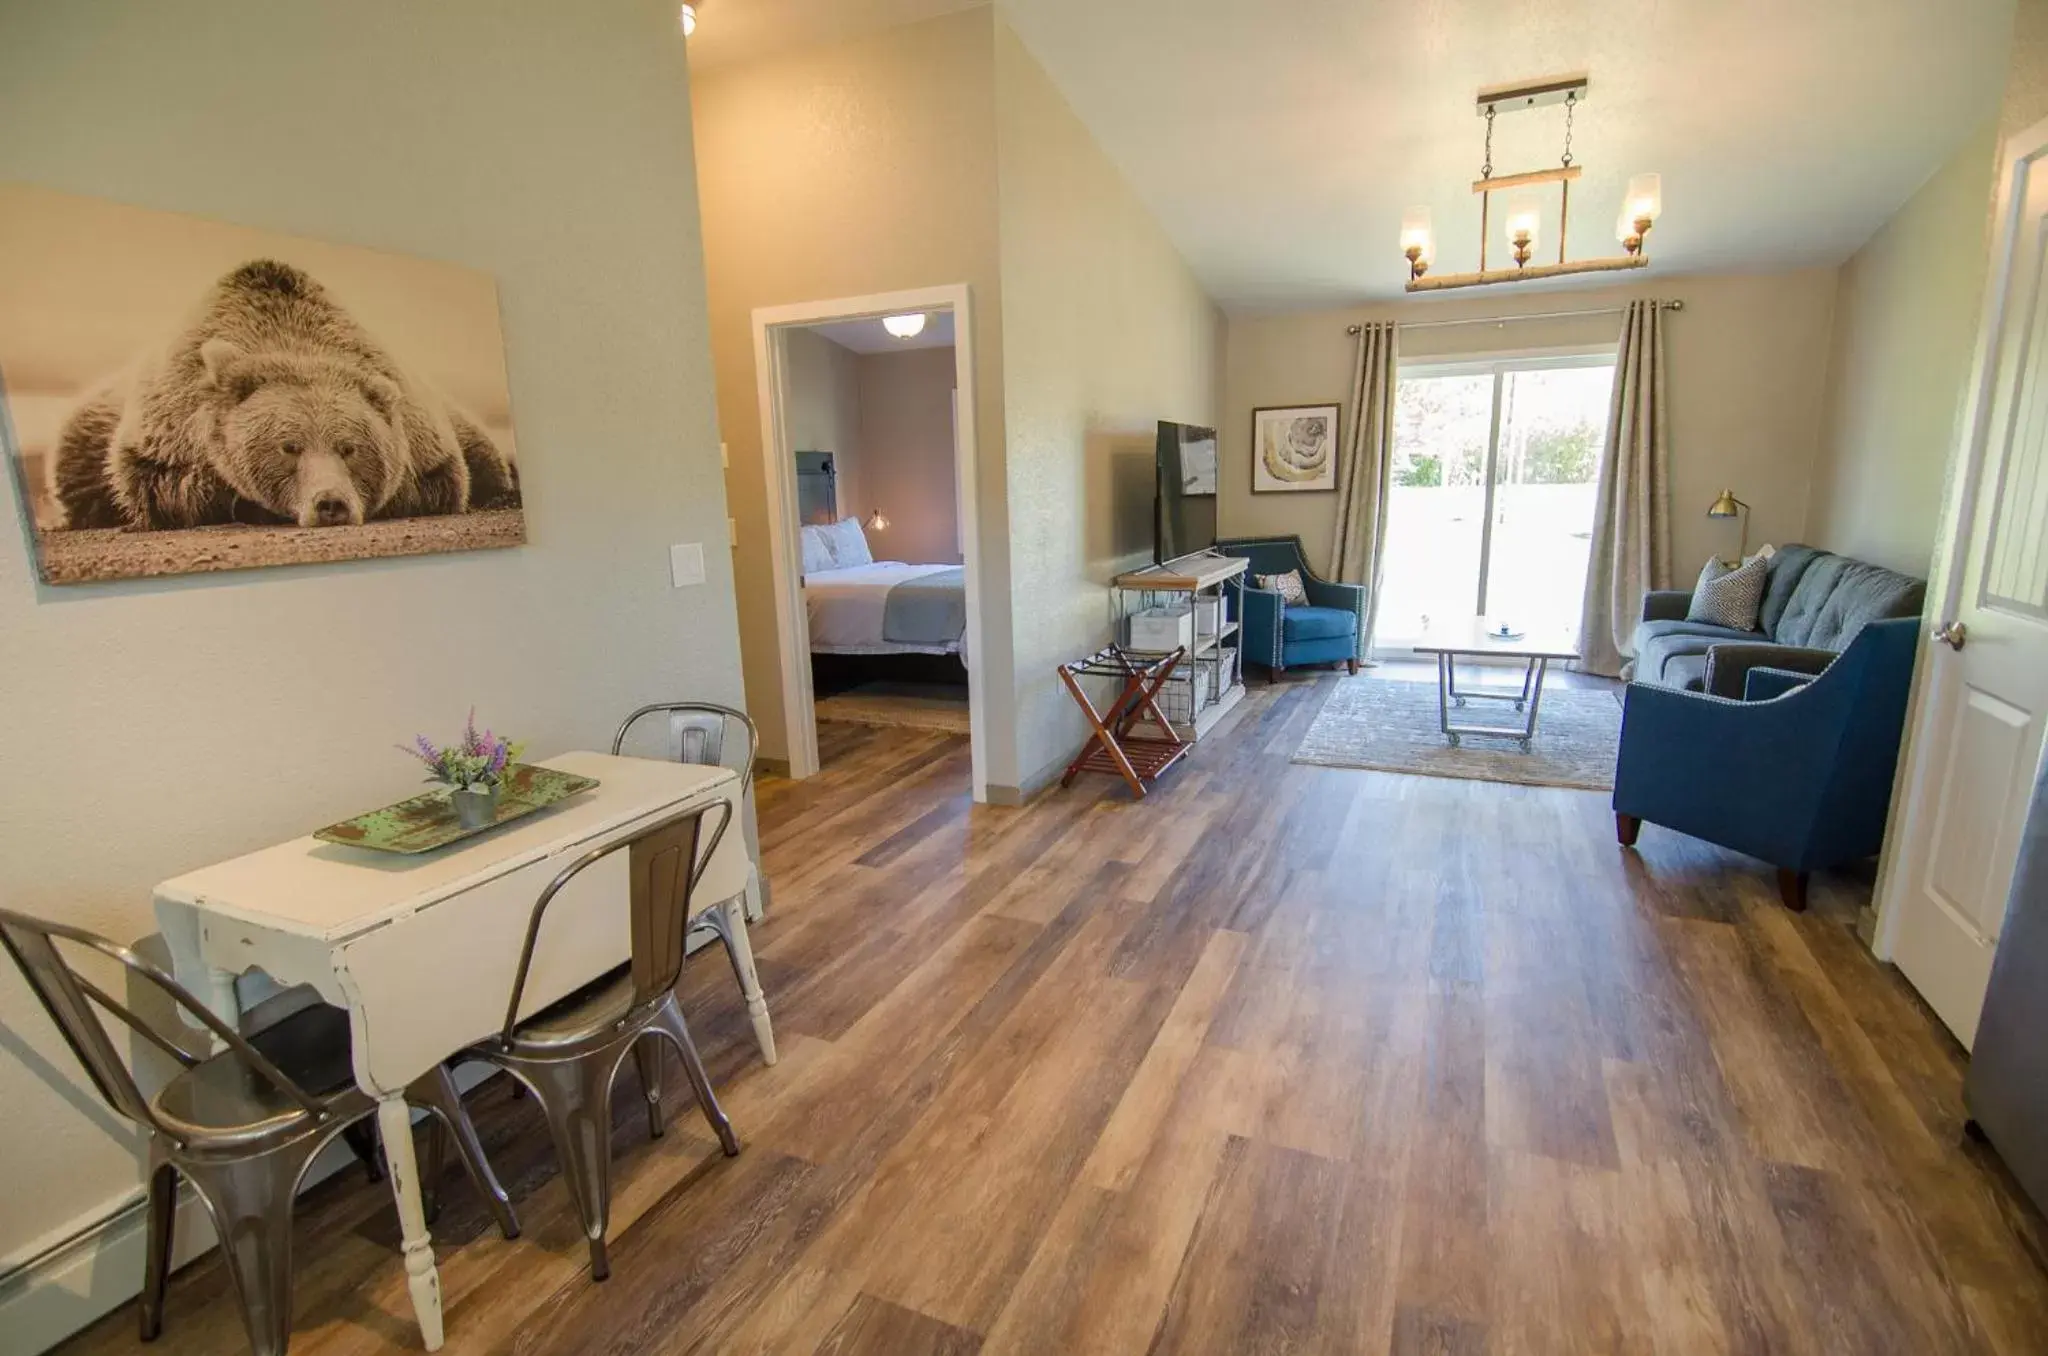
[[1294, 448]]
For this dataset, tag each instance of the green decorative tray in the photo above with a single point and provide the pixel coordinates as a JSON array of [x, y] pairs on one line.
[[428, 821]]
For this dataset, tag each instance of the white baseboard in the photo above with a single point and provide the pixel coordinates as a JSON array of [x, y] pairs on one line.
[[97, 1268]]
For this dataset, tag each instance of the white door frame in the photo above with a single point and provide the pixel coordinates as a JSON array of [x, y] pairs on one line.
[[1949, 568], [792, 625]]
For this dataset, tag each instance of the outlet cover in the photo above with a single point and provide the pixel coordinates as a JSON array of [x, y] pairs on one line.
[[686, 564]]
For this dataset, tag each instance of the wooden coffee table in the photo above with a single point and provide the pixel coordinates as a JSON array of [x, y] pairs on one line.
[[1473, 636]]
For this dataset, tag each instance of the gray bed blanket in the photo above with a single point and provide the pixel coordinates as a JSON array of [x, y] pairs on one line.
[[930, 610]]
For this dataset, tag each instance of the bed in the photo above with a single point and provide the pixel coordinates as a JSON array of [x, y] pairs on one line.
[[860, 606]]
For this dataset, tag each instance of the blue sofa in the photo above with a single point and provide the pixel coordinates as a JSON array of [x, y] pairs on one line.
[[1813, 602], [1798, 772], [1325, 632]]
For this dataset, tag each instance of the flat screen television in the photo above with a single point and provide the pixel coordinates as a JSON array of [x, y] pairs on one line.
[[1184, 503]]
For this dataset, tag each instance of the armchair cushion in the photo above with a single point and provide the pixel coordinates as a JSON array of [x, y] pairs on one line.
[[1287, 584], [1317, 623], [1728, 666]]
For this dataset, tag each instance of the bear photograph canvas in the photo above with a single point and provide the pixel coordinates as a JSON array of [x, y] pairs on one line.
[[181, 395]]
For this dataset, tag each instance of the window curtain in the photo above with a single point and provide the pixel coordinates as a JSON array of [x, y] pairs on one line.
[[1363, 472], [1631, 547]]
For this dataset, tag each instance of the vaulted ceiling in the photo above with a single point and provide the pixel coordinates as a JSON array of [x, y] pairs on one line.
[[1278, 143]]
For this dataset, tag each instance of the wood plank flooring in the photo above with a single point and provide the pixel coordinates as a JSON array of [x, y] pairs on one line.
[[1282, 1060]]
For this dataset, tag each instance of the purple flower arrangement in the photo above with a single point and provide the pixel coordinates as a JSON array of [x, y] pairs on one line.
[[477, 764]]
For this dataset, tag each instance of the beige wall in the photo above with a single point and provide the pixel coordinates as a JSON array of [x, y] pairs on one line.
[[1911, 305], [838, 171], [152, 727], [1748, 367], [906, 460], [824, 408], [1905, 326], [1105, 332]]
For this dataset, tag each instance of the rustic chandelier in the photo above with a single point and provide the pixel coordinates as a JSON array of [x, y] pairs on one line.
[[1640, 209]]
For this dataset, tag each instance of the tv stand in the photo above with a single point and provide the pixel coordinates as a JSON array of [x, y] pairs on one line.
[[1209, 684]]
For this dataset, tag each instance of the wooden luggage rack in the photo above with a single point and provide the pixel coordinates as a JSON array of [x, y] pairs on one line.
[[1112, 747]]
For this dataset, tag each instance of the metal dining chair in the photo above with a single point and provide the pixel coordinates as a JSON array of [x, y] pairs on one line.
[[568, 1054], [243, 1124], [704, 733]]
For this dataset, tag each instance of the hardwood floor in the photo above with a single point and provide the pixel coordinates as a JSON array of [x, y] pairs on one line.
[[1283, 1059]]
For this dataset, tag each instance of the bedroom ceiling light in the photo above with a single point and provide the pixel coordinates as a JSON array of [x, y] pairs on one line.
[[904, 326], [1640, 209], [689, 17]]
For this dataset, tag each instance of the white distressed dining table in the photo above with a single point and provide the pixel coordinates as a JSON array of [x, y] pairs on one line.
[[422, 949]]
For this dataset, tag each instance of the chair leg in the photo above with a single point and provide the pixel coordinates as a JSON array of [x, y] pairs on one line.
[[250, 1201], [1792, 889], [1352, 664], [436, 1092], [576, 1097], [1626, 827], [670, 1023], [156, 1275], [647, 1058]]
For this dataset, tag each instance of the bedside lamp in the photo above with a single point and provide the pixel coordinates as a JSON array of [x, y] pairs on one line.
[[1728, 506], [878, 521]]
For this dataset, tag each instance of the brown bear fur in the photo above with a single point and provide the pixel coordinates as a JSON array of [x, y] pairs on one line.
[[274, 406]]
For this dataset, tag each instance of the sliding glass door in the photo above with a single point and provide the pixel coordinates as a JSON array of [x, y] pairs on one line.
[[1491, 508]]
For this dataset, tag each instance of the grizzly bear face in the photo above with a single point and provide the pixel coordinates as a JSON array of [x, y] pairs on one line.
[[311, 440]]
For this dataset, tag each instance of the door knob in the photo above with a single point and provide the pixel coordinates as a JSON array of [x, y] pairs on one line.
[[1952, 634]]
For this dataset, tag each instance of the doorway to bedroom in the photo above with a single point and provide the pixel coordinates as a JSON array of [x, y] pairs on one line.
[[866, 402]]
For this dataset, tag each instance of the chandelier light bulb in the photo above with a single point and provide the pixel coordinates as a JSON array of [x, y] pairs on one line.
[[1523, 219], [904, 326], [689, 18]]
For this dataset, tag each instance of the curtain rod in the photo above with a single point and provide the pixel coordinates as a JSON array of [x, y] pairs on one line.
[[1503, 319]]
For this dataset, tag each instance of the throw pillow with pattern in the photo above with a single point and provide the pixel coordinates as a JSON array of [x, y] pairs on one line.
[[1289, 586], [1730, 596]]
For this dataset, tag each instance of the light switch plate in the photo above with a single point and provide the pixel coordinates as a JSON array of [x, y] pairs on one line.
[[686, 564]]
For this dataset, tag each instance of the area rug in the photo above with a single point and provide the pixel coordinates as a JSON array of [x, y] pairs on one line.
[[911, 706], [1388, 725]]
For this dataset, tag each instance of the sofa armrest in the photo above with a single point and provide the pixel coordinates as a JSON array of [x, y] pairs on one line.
[[1666, 604], [1728, 666], [1259, 627]]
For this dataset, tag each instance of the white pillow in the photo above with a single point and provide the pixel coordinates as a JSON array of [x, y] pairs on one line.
[[849, 544], [817, 550]]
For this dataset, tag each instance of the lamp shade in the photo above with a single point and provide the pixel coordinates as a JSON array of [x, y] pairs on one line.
[[904, 326], [1727, 506], [1415, 232], [1523, 219], [689, 17], [1646, 197]]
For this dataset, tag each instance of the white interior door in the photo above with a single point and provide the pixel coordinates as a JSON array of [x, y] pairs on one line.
[[1978, 739]]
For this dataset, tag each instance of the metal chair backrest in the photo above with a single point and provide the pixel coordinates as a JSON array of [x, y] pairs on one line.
[[697, 733], [664, 866], [70, 999]]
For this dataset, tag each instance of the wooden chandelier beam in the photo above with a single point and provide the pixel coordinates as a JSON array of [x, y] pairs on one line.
[[1439, 282]]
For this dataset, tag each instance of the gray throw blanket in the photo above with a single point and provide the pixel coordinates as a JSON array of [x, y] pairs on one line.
[[930, 610]]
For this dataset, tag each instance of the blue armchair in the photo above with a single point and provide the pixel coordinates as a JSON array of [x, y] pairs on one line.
[[1798, 773], [1327, 631]]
